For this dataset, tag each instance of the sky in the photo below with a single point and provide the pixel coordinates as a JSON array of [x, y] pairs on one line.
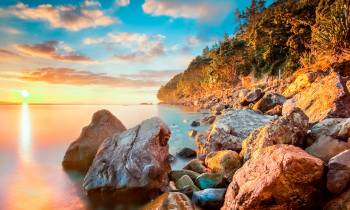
[[103, 51]]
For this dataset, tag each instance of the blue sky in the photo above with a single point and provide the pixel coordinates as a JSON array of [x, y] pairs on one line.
[[128, 44]]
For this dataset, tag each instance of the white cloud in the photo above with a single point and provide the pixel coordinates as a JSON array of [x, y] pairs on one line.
[[123, 3], [10, 30], [205, 10], [192, 40], [91, 3], [68, 17]]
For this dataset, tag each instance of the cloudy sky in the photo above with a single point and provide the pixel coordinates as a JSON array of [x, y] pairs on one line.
[[106, 51]]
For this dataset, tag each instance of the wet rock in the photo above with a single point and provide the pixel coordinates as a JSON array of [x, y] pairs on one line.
[[290, 129], [338, 177], [340, 202], [133, 162], [209, 119], [187, 153], [81, 152], [209, 180], [171, 158], [269, 101], [170, 201], [279, 177], [209, 198], [326, 97], [185, 182], [225, 162], [229, 130], [195, 124], [192, 133], [327, 147], [177, 174], [251, 96], [196, 166]]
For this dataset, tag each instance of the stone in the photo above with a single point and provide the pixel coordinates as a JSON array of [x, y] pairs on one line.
[[134, 162], [251, 96], [327, 147], [195, 124], [209, 198], [327, 97], [177, 174], [279, 177], [170, 201], [192, 133], [338, 177], [335, 127], [81, 152], [277, 110], [186, 182], [269, 101], [209, 119], [226, 162], [340, 202], [290, 129], [209, 180], [187, 153], [195, 165], [229, 130]]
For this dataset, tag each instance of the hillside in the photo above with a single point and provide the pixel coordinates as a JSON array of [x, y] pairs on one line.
[[271, 45]]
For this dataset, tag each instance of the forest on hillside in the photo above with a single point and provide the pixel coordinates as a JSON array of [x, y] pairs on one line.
[[273, 40]]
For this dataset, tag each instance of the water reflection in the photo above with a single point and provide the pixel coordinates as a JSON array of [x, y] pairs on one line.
[[25, 143]]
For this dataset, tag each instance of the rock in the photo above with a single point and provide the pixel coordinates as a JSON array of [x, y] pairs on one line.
[[192, 133], [335, 127], [290, 129], [327, 147], [225, 162], [187, 153], [177, 174], [134, 162], [251, 96], [242, 94], [209, 119], [277, 110], [209, 198], [170, 201], [341, 202], [195, 124], [186, 182], [269, 101], [171, 158], [218, 109], [229, 130], [279, 177], [209, 180], [338, 177], [196, 166], [81, 152], [301, 82], [327, 97]]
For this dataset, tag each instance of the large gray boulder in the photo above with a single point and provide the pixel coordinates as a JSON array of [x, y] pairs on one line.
[[338, 177], [229, 130], [134, 162], [82, 151]]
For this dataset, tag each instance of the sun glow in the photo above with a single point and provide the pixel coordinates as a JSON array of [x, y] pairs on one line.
[[24, 93]]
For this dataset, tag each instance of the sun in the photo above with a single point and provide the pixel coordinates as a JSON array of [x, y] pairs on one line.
[[24, 93]]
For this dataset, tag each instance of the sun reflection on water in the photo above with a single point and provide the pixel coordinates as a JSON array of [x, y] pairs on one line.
[[25, 143]]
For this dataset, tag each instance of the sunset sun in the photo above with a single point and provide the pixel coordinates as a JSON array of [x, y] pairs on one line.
[[24, 93]]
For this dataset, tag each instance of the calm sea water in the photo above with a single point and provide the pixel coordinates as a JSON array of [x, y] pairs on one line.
[[34, 138]]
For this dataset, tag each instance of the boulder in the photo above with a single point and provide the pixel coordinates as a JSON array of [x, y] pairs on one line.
[[340, 202], [170, 201], [251, 96], [290, 129], [335, 127], [277, 110], [209, 180], [134, 162], [327, 147], [209, 198], [229, 130], [338, 177], [327, 97], [185, 182], [225, 162], [82, 151], [279, 177], [195, 124], [195, 165], [192, 133], [187, 153], [269, 101], [209, 119], [177, 174]]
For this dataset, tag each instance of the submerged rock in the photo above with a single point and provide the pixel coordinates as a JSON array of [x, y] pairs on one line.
[[209, 180], [290, 129], [338, 177], [279, 177], [170, 201], [185, 182], [225, 162], [196, 166], [187, 153], [195, 124], [209, 198], [192, 133], [229, 130], [81, 152], [177, 174], [134, 162]]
